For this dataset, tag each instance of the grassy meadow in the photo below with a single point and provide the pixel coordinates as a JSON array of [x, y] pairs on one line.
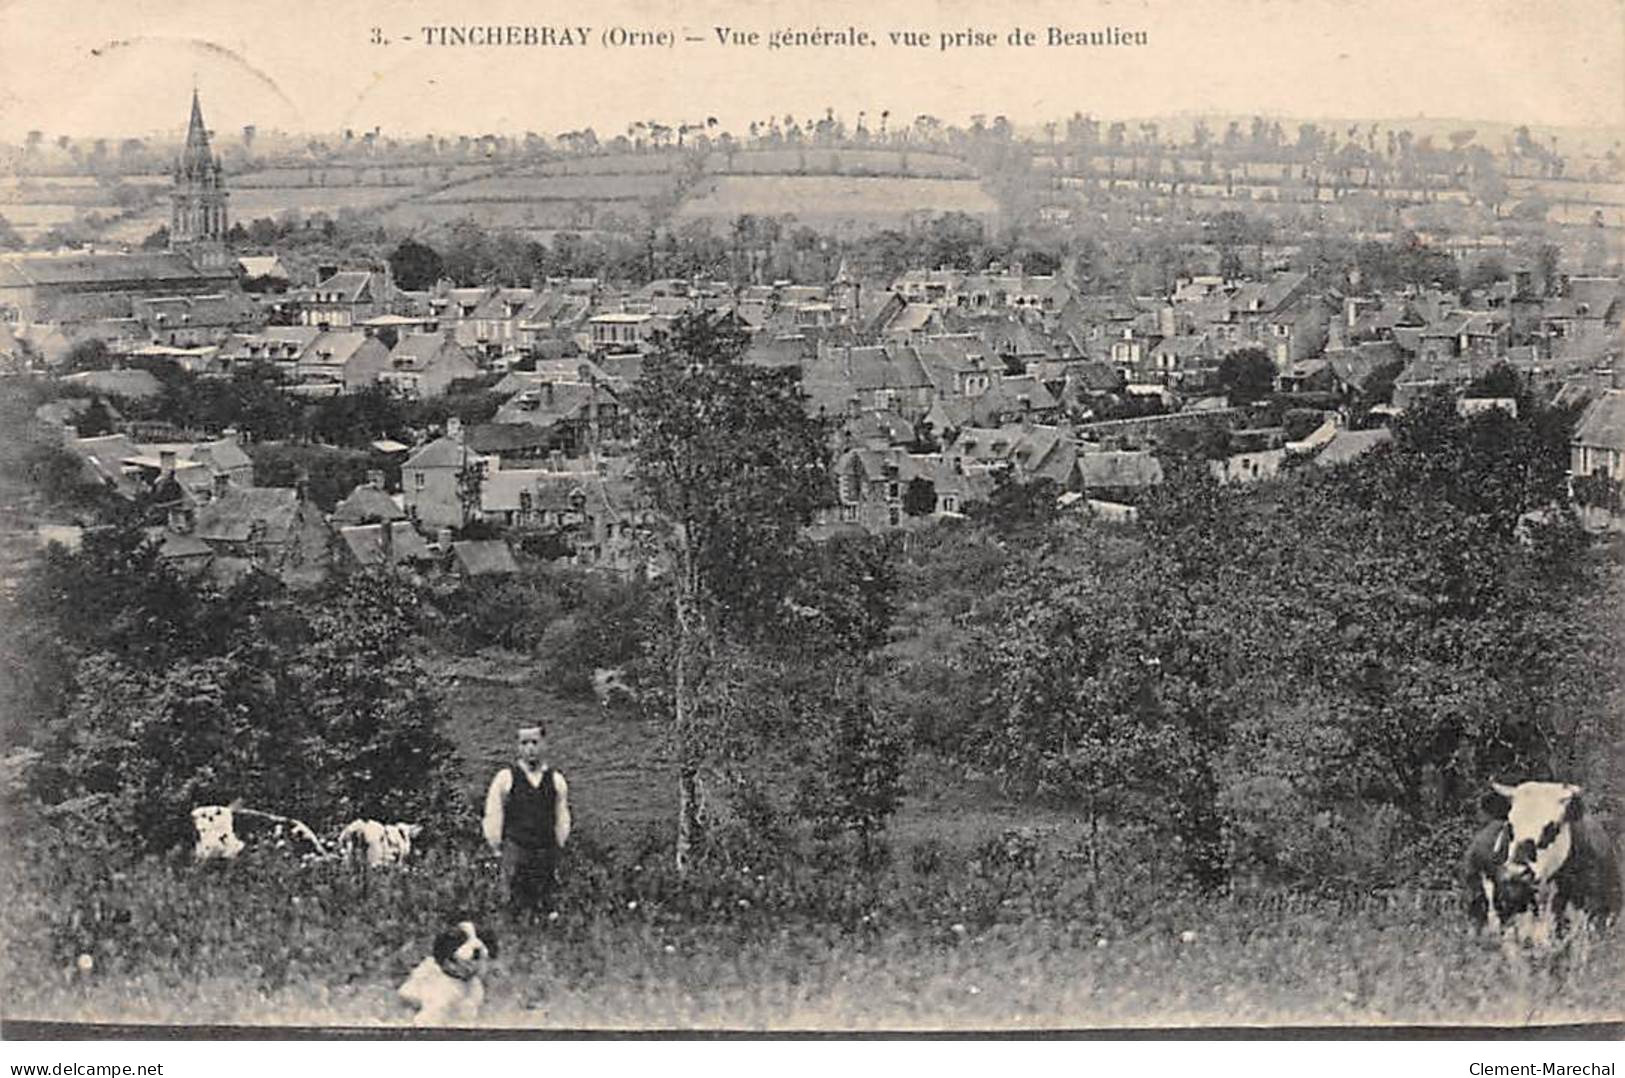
[[988, 916]]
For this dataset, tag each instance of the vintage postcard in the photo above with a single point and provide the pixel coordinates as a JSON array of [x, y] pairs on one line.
[[887, 518]]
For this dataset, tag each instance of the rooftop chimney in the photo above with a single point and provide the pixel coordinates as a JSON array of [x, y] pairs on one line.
[[375, 478], [180, 520], [166, 461], [386, 539], [454, 427]]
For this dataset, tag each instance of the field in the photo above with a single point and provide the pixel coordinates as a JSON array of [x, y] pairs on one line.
[[612, 165], [250, 203], [987, 919], [844, 162], [526, 217], [522, 188], [836, 202]]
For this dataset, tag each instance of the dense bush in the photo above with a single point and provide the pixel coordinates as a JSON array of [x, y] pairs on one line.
[[1302, 681], [329, 474], [574, 620], [167, 695]]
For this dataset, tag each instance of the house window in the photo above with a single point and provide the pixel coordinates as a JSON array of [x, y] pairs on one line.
[[893, 491], [418, 479], [950, 503], [849, 487], [893, 516], [849, 513]]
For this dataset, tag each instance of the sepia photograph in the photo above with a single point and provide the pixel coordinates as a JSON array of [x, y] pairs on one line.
[[788, 520]]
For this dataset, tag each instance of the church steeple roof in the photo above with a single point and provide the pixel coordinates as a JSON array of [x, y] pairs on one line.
[[196, 160]]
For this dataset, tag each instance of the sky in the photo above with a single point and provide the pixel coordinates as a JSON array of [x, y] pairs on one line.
[[84, 68]]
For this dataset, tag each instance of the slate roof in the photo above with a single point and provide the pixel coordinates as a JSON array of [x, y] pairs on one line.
[[117, 383], [367, 503], [104, 458], [499, 438], [231, 517], [365, 542], [171, 312], [1355, 366], [1603, 422], [262, 266], [547, 403], [443, 452], [1111, 469], [334, 348], [147, 269], [1347, 445], [349, 284], [483, 557]]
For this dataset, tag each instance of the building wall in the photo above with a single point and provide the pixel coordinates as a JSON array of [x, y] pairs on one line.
[[430, 496], [1597, 460]]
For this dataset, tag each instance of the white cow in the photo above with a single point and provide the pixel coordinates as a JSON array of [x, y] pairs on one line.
[[386, 843], [1539, 856], [224, 831]]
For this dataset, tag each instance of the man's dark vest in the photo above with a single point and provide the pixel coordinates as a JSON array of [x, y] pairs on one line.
[[529, 817]]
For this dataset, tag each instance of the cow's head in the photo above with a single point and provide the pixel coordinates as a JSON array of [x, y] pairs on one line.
[[1536, 839], [396, 842]]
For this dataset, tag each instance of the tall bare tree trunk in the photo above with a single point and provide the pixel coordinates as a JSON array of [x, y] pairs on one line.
[[683, 678]]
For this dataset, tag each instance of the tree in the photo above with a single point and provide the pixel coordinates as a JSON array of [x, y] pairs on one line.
[[1103, 689], [90, 354], [375, 744], [920, 497], [856, 781], [156, 240], [1015, 505], [1247, 375], [728, 456], [94, 420]]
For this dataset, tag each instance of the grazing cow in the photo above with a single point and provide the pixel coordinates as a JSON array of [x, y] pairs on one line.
[[224, 831], [448, 987], [1540, 856], [385, 843]]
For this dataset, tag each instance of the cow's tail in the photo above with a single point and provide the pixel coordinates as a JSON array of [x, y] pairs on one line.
[[299, 826]]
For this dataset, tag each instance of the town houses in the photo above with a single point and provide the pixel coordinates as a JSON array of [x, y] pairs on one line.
[[937, 385]]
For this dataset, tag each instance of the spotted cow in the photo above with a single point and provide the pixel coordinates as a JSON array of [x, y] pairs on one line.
[[382, 843], [225, 831], [1539, 858]]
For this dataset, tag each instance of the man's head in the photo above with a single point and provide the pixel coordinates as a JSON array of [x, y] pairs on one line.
[[530, 745]]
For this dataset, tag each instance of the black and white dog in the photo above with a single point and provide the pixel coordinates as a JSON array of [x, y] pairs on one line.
[[448, 987]]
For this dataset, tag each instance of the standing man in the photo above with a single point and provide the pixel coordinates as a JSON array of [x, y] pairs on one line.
[[527, 822]]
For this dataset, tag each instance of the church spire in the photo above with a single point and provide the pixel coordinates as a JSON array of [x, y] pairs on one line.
[[198, 222], [196, 159]]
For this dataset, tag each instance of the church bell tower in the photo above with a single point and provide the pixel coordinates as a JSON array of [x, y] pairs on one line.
[[197, 222]]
